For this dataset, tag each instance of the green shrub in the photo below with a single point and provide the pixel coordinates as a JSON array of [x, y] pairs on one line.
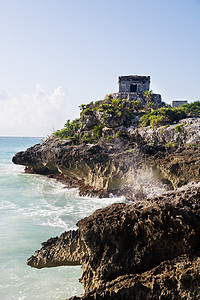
[[130, 151], [188, 146], [98, 130], [119, 134], [148, 96], [117, 108], [62, 133], [178, 127], [144, 121], [109, 97], [116, 101], [87, 138], [69, 130], [82, 106], [75, 139], [162, 116], [170, 145], [192, 109], [109, 138], [137, 104], [157, 120], [105, 115], [127, 110]]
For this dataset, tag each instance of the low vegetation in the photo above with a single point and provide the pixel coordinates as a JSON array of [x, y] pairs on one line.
[[170, 145], [105, 113], [169, 115], [162, 116], [192, 109], [178, 127]]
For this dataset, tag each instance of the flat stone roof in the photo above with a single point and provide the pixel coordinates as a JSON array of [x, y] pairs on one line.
[[134, 78]]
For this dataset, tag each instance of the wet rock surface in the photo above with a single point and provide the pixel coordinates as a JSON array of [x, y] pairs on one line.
[[145, 250]]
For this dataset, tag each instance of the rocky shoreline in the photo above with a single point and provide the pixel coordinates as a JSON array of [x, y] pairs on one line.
[[148, 248], [117, 167], [145, 250]]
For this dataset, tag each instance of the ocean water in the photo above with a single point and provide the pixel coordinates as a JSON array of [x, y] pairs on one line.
[[34, 208]]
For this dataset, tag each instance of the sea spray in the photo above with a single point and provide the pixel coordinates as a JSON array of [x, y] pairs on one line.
[[148, 183]]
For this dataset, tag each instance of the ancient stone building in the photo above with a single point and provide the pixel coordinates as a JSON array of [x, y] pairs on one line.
[[133, 87], [178, 103], [134, 84]]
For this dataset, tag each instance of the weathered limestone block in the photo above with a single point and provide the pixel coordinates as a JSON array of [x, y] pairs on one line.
[[68, 250], [186, 132]]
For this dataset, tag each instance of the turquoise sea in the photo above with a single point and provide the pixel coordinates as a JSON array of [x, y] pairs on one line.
[[34, 208]]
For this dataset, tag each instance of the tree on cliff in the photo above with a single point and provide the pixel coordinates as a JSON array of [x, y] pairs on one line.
[[148, 98]]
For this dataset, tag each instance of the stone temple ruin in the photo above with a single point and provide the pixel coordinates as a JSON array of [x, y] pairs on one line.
[[178, 103], [133, 87]]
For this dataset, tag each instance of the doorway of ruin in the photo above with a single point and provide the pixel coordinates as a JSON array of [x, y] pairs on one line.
[[133, 88]]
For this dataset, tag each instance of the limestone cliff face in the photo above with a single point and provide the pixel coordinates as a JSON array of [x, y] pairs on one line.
[[180, 167], [102, 166], [145, 250], [185, 133], [170, 153], [68, 250]]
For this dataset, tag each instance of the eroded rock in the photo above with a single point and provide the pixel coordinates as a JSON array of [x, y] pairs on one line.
[[177, 279], [114, 166], [68, 250], [128, 251]]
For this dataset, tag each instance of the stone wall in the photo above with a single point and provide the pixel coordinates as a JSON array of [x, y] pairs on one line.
[[178, 103], [156, 98], [129, 96], [133, 88], [141, 83]]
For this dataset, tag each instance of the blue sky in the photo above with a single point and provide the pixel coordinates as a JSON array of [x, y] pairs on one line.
[[58, 54]]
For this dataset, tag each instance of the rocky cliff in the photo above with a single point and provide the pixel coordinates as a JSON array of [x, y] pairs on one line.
[[145, 250], [164, 152]]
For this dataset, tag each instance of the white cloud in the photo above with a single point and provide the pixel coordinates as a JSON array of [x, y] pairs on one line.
[[34, 114]]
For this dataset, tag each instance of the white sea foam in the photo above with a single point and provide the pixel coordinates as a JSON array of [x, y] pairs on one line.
[[8, 205], [147, 182], [10, 169]]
